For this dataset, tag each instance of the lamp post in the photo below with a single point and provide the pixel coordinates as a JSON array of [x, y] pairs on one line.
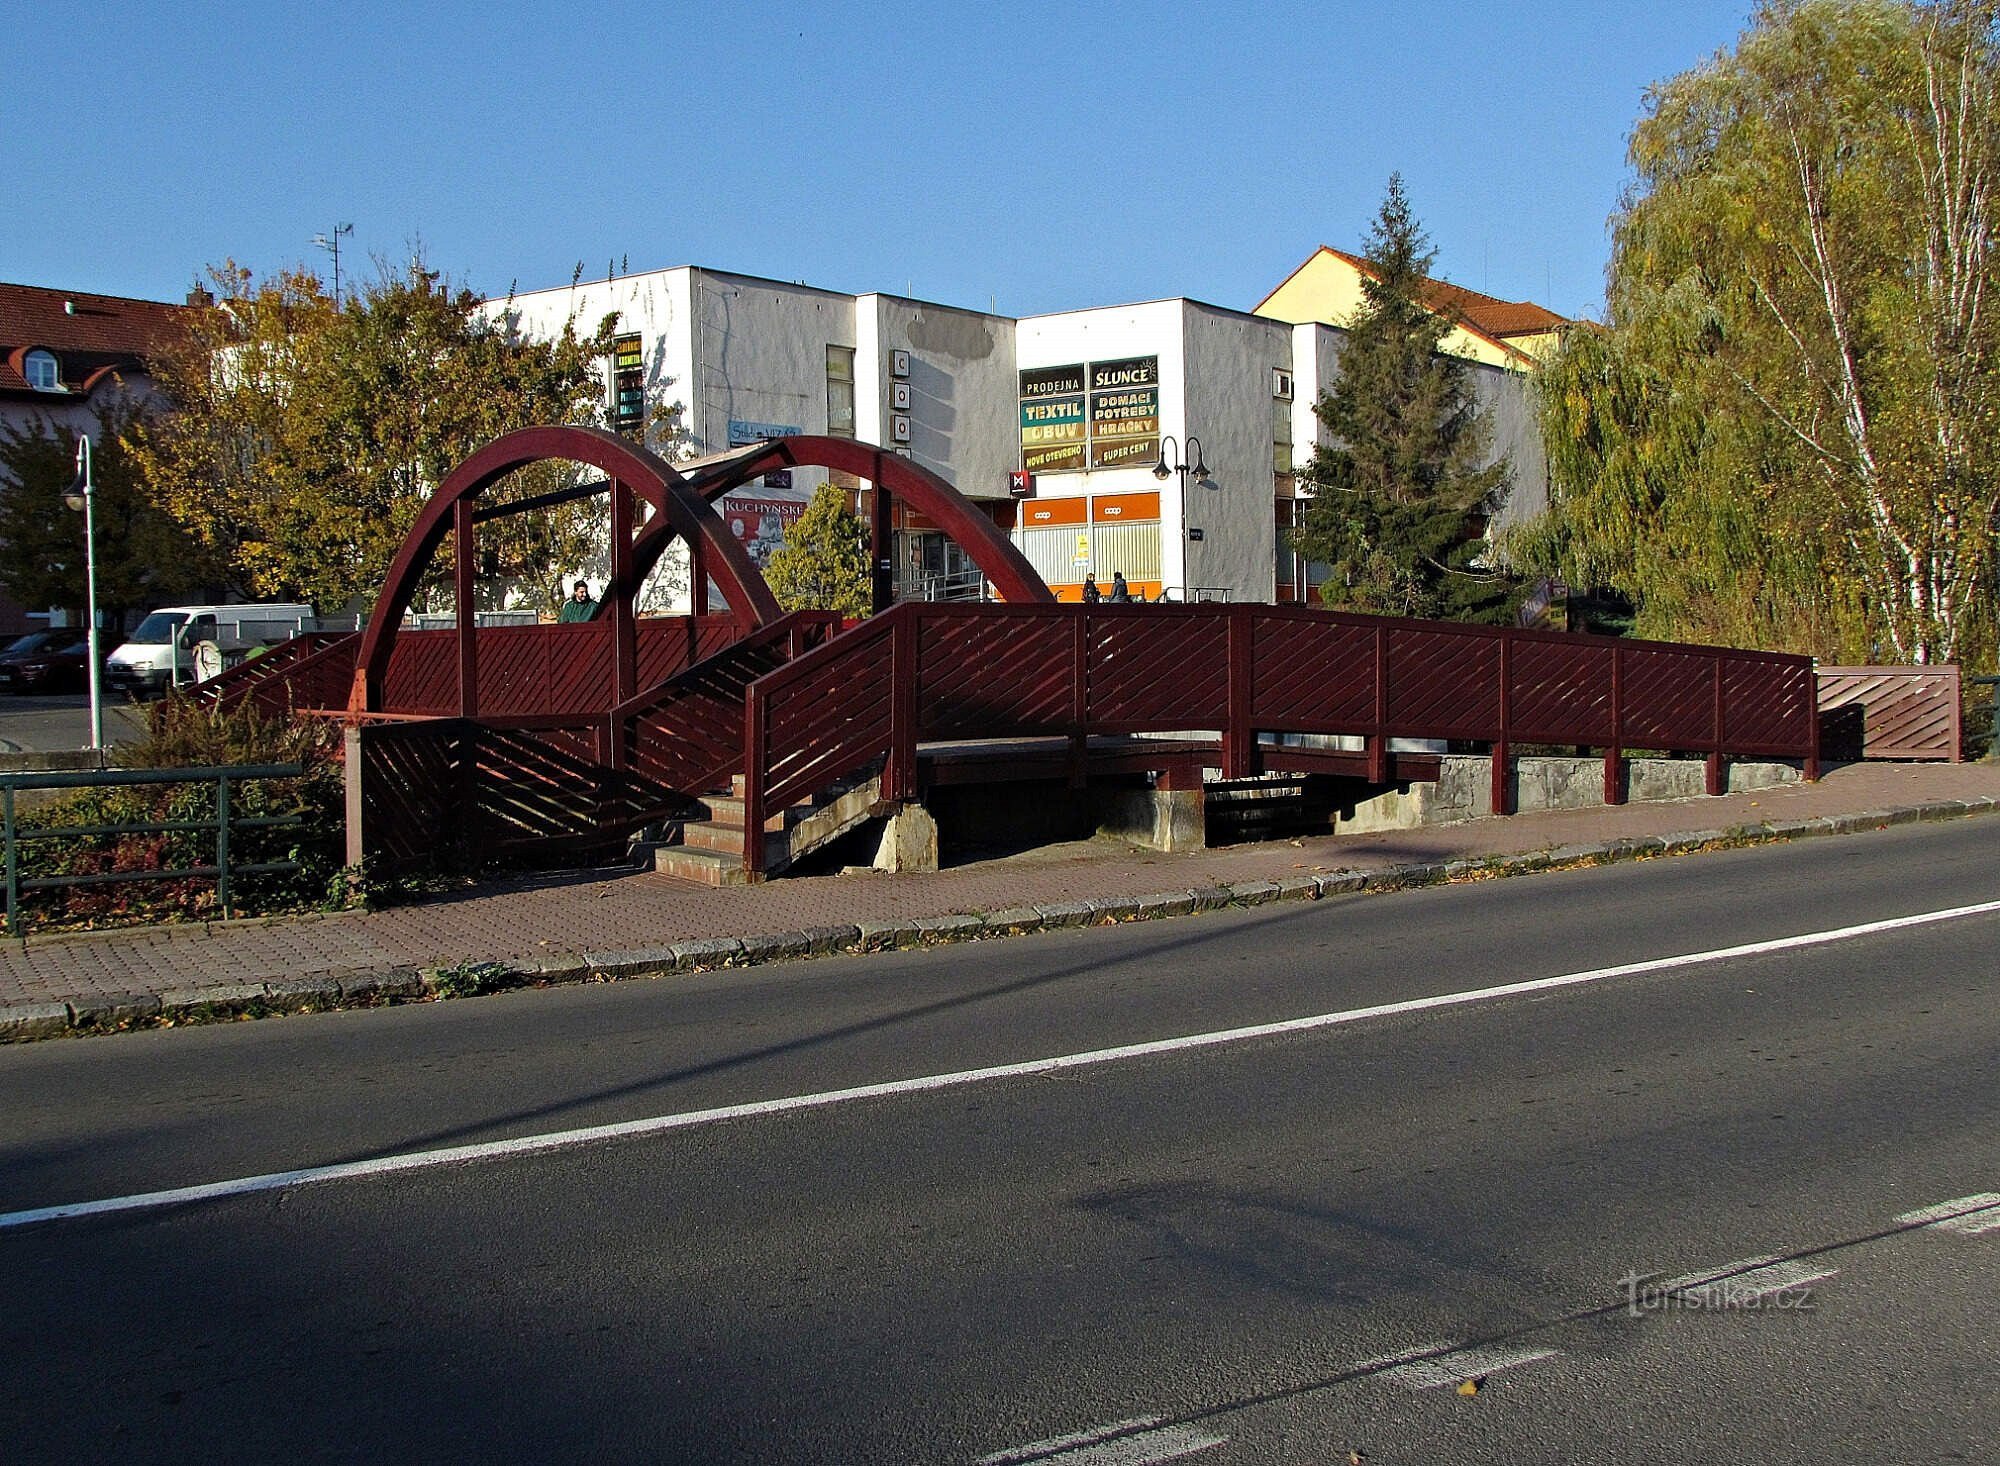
[[331, 243], [1180, 465], [83, 495]]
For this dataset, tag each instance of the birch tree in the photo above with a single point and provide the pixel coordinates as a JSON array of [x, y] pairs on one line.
[[1780, 434]]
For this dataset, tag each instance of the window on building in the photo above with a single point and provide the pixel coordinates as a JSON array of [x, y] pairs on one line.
[[628, 386], [840, 391], [1281, 435], [42, 371]]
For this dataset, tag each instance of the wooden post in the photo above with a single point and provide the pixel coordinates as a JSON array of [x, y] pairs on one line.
[[1378, 739], [1079, 694], [698, 581], [1503, 787], [464, 579], [901, 784], [1716, 783], [624, 632], [1239, 739], [1812, 723], [754, 720], [1614, 753]]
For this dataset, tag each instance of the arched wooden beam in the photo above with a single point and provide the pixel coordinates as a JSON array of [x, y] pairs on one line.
[[916, 486], [645, 473]]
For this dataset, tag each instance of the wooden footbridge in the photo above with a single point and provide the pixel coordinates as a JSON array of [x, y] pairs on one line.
[[561, 742]]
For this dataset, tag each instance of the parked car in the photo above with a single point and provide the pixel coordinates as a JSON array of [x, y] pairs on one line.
[[178, 646], [46, 661]]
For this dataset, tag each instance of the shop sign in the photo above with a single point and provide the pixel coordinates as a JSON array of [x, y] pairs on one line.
[[1134, 371], [742, 434], [1124, 452], [1059, 458], [1053, 420], [1128, 413], [1052, 381]]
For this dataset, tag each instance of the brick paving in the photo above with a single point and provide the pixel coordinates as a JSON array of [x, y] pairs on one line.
[[616, 920]]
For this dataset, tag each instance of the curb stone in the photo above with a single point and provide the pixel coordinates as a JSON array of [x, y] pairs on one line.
[[947, 928], [824, 939], [881, 936], [1068, 913], [294, 993], [109, 1010], [1013, 919], [20, 1022], [705, 952], [1299, 888], [223, 998], [1209, 898], [1253, 893]]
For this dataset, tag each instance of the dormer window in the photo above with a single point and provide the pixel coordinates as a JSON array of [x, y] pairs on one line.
[[42, 371]]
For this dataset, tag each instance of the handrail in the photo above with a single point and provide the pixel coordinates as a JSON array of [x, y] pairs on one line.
[[1247, 669]]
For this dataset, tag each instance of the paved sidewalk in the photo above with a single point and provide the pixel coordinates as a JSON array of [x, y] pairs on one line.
[[603, 923]]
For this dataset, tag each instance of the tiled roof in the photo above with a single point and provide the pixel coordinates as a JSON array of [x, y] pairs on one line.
[[1485, 315], [89, 334]]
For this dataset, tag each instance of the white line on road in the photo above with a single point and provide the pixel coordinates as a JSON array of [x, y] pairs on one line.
[[659, 1124], [1740, 1283], [1041, 1450], [1968, 1216], [1461, 1365], [1095, 1448]]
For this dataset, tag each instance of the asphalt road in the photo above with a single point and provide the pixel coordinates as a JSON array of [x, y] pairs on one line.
[[1275, 1248]]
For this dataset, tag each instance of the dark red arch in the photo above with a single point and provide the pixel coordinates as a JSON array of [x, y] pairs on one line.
[[678, 510], [915, 485]]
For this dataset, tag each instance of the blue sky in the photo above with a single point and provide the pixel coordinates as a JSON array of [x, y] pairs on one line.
[[1027, 157]]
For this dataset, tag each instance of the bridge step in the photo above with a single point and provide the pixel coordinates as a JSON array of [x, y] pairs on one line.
[[711, 850]]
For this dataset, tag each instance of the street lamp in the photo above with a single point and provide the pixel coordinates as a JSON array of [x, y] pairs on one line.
[[1180, 464], [82, 495], [331, 243]]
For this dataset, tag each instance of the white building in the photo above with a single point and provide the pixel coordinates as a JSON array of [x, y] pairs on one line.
[[1090, 404]]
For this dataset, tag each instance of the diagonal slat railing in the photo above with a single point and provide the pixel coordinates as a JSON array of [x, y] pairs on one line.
[[923, 672]]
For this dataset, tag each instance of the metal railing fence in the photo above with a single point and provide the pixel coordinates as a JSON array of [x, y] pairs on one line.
[[223, 871]]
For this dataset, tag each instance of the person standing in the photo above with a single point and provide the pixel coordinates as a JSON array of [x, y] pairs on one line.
[[1091, 594], [579, 606], [1121, 593]]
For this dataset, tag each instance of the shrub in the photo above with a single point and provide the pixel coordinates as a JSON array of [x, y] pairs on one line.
[[187, 735]]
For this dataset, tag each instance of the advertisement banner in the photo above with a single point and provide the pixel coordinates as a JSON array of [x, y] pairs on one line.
[[759, 518], [1052, 381], [1130, 413], [1134, 371], [1052, 420], [1058, 458], [1124, 452]]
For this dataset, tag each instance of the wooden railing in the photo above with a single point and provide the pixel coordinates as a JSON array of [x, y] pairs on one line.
[[486, 790], [1892, 712], [937, 672]]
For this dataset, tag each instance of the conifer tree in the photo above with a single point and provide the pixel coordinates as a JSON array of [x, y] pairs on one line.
[[1401, 494], [823, 563]]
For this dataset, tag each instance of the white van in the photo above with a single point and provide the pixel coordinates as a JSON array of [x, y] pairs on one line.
[[179, 645]]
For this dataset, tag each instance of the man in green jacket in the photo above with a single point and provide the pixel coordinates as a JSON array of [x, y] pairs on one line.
[[579, 606]]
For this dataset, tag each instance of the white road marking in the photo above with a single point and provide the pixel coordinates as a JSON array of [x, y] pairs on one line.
[[660, 1124], [1462, 1364], [1037, 1450], [1740, 1283], [1092, 1448], [1968, 1216]]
